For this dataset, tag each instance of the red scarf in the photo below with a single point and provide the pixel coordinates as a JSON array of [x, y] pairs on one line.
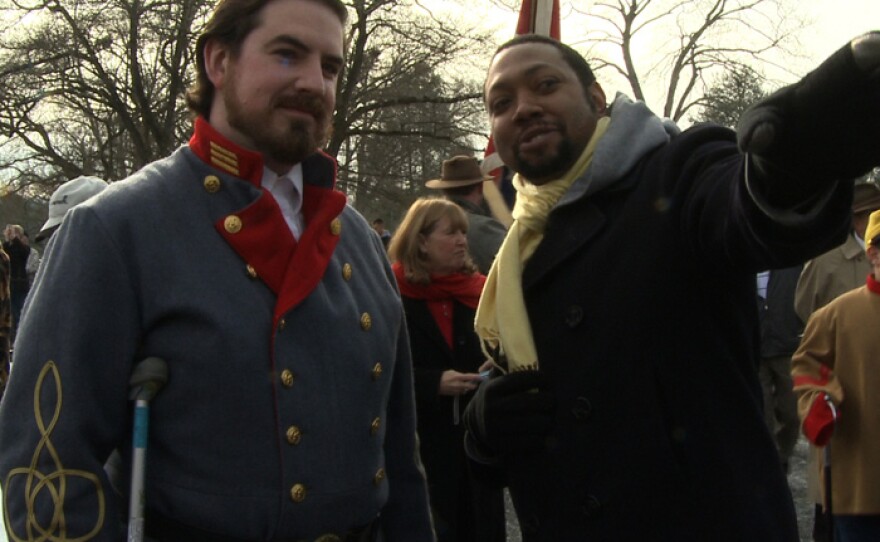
[[442, 289], [465, 289], [873, 284]]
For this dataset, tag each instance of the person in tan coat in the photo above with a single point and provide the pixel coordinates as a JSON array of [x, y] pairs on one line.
[[825, 277], [836, 368]]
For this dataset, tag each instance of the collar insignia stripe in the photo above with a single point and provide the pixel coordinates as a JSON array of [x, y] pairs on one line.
[[224, 158]]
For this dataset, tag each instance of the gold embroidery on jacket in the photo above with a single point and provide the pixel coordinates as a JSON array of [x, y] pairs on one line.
[[51, 485], [224, 159]]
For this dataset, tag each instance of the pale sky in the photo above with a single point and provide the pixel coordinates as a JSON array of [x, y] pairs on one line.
[[834, 21], [837, 21], [831, 24]]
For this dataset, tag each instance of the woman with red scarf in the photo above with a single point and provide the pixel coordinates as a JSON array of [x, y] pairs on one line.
[[440, 287]]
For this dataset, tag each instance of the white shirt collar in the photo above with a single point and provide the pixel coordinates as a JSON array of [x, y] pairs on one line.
[[287, 190]]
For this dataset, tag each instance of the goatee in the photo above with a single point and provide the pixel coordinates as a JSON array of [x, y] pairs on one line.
[[289, 145], [553, 169]]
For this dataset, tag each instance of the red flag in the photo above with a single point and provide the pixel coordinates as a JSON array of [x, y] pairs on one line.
[[535, 17], [539, 17]]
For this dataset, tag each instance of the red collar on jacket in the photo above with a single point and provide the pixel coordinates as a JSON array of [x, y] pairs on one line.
[[214, 149], [291, 269], [873, 285]]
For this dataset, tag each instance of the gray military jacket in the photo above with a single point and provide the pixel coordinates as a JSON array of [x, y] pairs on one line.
[[288, 412]]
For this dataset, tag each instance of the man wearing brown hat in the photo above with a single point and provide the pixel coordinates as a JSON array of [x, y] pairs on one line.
[[843, 268], [827, 276], [462, 182]]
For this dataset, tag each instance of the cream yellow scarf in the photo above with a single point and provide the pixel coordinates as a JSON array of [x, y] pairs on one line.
[[501, 321]]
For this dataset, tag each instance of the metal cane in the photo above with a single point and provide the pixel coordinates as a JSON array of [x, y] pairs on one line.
[[146, 380], [826, 470]]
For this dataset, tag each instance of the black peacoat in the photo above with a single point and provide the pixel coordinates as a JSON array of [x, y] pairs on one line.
[[641, 298]]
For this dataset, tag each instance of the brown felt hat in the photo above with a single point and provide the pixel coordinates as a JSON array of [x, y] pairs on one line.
[[458, 171], [866, 197]]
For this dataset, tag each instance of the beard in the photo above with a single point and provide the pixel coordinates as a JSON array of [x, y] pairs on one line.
[[283, 141], [549, 170]]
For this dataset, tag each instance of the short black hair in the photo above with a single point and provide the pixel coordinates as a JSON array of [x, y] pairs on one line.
[[574, 59]]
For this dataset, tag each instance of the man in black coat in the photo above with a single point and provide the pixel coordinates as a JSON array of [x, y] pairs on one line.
[[622, 301], [781, 331]]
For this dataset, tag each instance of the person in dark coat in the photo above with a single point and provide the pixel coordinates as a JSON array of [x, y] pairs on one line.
[[19, 285], [440, 286], [622, 303], [780, 335], [5, 320]]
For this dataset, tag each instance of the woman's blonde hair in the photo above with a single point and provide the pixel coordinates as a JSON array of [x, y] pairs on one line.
[[421, 219]]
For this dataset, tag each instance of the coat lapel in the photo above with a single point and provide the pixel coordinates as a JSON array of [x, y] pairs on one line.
[[418, 315], [568, 230]]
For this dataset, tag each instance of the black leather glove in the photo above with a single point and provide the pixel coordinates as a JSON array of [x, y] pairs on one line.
[[821, 129], [511, 413]]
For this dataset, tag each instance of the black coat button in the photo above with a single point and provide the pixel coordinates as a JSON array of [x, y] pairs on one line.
[[574, 315], [582, 409], [592, 506]]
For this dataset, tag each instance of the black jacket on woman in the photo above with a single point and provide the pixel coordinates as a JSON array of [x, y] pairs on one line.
[[465, 507]]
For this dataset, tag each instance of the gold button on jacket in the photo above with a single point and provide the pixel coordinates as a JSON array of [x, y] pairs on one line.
[[380, 475], [298, 493], [366, 321], [232, 224], [294, 435], [377, 371], [287, 378], [212, 184]]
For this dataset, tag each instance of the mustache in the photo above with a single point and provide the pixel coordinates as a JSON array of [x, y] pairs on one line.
[[308, 103], [540, 124]]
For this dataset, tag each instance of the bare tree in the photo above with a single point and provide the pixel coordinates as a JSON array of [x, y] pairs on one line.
[[402, 106], [678, 44], [93, 87], [96, 87]]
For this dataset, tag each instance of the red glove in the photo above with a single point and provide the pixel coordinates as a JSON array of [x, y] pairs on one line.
[[818, 425]]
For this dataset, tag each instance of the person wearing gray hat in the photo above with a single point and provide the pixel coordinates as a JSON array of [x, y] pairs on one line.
[[462, 183], [66, 197]]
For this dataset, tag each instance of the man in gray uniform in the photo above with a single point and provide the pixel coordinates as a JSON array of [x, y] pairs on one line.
[[462, 182], [288, 412]]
